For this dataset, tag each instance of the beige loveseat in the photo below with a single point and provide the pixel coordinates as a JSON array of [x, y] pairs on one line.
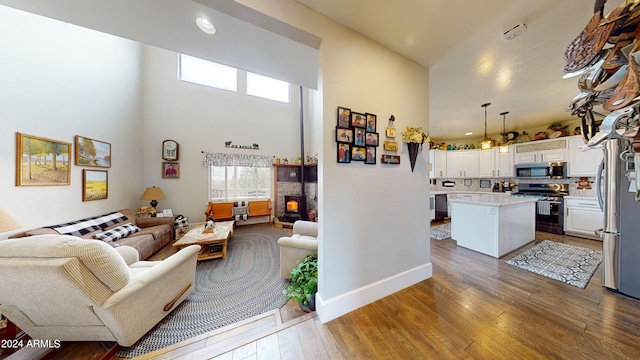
[[154, 233], [60, 287], [294, 248]]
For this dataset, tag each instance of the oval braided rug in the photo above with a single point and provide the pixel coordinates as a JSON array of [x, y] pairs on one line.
[[247, 283]]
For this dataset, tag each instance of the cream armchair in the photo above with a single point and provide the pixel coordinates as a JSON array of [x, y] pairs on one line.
[[60, 287], [303, 242]]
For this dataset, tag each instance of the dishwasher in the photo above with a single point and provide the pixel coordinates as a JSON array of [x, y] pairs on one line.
[[441, 207]]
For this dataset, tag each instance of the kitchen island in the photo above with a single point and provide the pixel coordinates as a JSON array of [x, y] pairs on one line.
[[492, 224]]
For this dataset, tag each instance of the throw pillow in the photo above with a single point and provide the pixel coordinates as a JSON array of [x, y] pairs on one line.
[[117, 233]]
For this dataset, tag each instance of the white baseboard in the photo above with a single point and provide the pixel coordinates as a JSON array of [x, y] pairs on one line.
[[332, 308]]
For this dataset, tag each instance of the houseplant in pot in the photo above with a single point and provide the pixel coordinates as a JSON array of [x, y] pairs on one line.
[[304, 283]]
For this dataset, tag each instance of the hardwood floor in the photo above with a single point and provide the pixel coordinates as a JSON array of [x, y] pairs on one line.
[[474, 307]]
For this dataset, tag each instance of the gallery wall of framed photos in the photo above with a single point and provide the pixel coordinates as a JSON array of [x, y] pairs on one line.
[[356, 136]]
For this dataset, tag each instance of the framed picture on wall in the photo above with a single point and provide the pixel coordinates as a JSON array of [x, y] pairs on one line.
[[358, 139], [371, 139], [344, 135], [358, 153], [344, 153], [371, 122], [94, 185], [344, 117], [92, 152], [358, 120], [170, 170], [371, 155], [41, 161]]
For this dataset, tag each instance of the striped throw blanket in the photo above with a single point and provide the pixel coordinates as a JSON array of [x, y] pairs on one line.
[[85, 226]]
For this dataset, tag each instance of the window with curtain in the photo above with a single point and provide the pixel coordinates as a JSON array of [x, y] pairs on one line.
[[238, 176]]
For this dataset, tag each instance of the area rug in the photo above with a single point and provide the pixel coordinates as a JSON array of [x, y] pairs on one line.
[[441, 232], [245, 284], [569, 264]]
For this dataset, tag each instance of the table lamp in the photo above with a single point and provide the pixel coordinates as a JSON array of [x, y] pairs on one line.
[[7, 223], [154, 194]]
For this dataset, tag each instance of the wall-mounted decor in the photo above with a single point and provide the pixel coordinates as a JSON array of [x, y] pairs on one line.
[[391, 145], [391, 132], [344, 117], [170, 170], [355, 133], [371, 155], [92, 152], [170, 150], [344, 153], [371, 139], [358, 153], [358, 120], [371, 122], [358, 139], [41, 161], [390, 159], [253, 146], [344, 135], [94, 185]]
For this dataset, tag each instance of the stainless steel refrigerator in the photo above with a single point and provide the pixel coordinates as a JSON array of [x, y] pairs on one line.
[[616, 189]]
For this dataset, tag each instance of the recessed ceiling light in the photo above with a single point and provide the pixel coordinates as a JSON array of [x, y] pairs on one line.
[[206, 26], [468, 133]]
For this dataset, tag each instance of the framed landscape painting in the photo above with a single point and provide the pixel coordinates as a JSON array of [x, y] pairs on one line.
[[41, 161], [94, 185], [91, 152]]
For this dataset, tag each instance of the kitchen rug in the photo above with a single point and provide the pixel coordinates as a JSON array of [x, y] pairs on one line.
[[441, 232], [570, 264]]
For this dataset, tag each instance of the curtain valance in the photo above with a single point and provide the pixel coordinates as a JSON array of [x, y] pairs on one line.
[[223, 159]]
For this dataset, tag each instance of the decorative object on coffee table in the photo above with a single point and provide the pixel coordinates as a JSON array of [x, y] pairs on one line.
[[214, 244]]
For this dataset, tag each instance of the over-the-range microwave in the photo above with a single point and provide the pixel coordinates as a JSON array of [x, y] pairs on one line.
[[550, 170]]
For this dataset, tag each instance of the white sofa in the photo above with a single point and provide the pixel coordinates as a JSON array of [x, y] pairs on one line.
[[294, 248], [61, 287]]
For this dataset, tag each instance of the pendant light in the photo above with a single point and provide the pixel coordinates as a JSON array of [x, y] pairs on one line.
[[504, 148], [487, 143]]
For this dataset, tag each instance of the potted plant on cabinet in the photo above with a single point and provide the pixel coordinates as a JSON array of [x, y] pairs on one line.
[[304, 283]]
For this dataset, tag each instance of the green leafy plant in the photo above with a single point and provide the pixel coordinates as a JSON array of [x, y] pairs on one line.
[[304, 280], [555, 125]]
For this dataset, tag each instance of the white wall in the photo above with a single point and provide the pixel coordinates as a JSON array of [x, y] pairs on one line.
[[58, 81], [374, 225], [201, 118]]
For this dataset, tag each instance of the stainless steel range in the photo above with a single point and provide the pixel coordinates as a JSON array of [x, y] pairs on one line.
[[550, 205]]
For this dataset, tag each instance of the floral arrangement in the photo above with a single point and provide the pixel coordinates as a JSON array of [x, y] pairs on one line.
[[146, 211], [414, 135]]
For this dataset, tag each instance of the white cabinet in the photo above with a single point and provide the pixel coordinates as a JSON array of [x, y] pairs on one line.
[[541, 151], [503, 162], [462, 163], [582, 217], [581, 162], [486, 163], [437, 164]]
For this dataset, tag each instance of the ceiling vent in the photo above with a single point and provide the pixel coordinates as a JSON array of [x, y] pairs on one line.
[[514, 32]]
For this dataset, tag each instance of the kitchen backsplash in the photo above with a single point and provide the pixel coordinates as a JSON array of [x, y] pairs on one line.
[[577, 186]]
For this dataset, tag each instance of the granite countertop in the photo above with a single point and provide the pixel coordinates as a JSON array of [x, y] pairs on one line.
[[493, 199]]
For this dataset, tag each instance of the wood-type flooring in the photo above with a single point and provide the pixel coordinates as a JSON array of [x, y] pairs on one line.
[[474, 307]]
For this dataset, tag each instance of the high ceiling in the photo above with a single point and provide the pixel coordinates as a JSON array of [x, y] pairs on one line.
[[460, 41], [470, 64]]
